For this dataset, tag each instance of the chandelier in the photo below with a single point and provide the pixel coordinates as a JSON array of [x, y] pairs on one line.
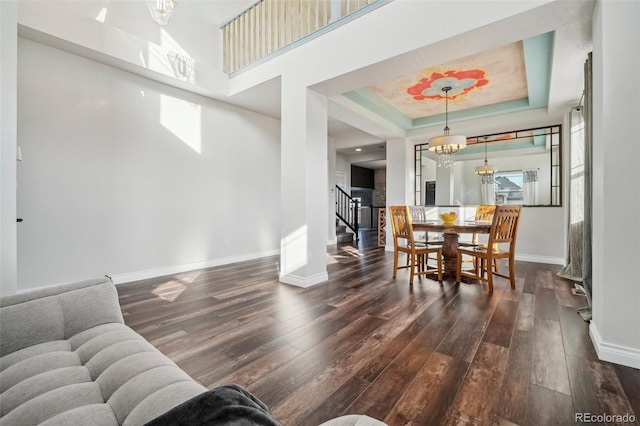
[[486, 169], [161, 10], [447, 145]]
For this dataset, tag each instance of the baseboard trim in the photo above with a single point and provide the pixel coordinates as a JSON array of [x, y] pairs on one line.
[[540, 259], [288, 279], [178, 269], [304, 282], [614, 353]]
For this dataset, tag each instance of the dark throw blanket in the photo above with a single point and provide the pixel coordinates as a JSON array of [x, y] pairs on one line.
[[230, 405]]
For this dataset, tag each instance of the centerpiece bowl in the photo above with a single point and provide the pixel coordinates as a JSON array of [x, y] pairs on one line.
[[448, 218]]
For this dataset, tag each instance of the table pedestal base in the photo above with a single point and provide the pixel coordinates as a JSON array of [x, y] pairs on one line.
[[450, 253]]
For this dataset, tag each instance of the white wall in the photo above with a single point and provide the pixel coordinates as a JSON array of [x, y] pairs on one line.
[[331, 191], [400, 180], [128, 177], [542, 235], [615, 328], [124, 31], [343, 165], [8, 137]]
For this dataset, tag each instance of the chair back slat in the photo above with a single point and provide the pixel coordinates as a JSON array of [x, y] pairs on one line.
[[485, 213], [418, 213], [504, 226]]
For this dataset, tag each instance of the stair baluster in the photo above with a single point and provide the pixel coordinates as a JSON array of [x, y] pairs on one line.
[[347, 209]]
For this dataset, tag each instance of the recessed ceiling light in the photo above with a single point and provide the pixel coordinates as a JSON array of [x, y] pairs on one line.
[[358, 149]]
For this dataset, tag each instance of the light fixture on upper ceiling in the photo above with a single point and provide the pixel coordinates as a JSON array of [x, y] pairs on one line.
[[447, 145], [485, 169], [161, 10]]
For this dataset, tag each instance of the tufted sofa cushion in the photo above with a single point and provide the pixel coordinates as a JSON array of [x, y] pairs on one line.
[[69, 359]]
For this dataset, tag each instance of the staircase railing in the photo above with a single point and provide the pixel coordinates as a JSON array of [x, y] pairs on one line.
[[347, 209]]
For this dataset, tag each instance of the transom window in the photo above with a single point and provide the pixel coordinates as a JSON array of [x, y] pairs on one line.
[[528, 167]]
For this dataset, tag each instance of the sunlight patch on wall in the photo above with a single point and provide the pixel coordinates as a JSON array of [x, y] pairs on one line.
[[293, 251], [158, 55], [181, 62], [158, 60], [143, 61], [168, 58], [183, 119], [102, 15], [170, 44]]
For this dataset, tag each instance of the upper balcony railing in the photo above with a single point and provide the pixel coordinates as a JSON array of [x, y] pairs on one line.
[[271, 25]]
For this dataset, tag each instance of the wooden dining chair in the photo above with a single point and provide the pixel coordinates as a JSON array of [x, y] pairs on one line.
[[504, 229], [404, 242], [419, 213], [483, 213]]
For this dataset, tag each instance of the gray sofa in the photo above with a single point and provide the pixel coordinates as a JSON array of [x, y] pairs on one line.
[[67, 358]]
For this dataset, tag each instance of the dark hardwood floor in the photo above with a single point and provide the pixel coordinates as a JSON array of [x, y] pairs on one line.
[[426, 354]]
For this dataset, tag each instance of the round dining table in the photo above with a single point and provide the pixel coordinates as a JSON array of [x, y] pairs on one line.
[[451, 233]]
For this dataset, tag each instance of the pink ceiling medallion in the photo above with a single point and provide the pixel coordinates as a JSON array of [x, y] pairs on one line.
[[461, 82]]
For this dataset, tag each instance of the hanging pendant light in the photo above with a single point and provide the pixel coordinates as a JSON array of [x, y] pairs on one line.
[[161, 10], [486, 169], [447, 145]]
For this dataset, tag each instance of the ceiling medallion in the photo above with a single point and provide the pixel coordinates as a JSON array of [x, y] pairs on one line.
[[460, 82]]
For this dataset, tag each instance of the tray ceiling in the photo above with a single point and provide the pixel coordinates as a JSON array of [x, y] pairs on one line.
[[509, 78]]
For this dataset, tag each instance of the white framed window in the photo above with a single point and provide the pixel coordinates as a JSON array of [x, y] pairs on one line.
[[508, 187]]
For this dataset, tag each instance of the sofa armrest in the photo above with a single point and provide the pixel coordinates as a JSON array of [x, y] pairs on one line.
[[56, 313]]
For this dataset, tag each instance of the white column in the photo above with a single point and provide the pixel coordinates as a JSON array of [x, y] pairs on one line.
[[444, 185], [8, 144], [399, 178], [331, 176], [304, 220], [615, 328]]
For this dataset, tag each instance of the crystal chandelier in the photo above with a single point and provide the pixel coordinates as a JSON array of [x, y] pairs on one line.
[[486, 169], [161, 10], [447, 145]]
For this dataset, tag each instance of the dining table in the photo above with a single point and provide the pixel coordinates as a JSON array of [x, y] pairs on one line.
[[451, 232]]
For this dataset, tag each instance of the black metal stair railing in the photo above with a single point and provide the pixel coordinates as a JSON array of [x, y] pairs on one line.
[[347, 209]]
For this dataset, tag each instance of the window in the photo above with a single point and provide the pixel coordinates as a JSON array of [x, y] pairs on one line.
[[528, 163], [508, 187]]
